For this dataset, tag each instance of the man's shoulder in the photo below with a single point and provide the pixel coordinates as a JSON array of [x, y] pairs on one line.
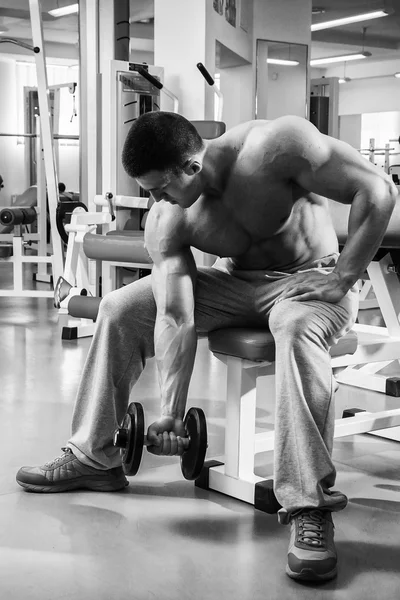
[[274, 143], [282, 130]]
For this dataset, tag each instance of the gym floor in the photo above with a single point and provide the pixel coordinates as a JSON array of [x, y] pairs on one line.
[[162, 537]]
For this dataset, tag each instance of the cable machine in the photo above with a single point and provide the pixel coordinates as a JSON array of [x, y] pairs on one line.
[[47, 177]]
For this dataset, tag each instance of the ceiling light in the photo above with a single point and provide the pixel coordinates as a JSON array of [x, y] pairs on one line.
[[397, 75], [341, 58], [279, 61], [344, 79], [354, 19], [70, 9]]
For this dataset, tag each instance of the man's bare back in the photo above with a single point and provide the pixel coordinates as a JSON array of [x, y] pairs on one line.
[[257, 211]]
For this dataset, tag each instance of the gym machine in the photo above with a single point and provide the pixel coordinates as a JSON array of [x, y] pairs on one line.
[[121, 243], [47, 177]]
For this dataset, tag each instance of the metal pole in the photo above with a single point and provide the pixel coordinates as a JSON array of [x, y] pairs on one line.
[[90, 113], [45, 126]]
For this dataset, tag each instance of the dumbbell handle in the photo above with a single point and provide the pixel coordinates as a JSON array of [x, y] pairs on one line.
[[121, 437]]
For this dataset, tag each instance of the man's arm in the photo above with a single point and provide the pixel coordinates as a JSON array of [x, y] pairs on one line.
[[333, 169], [173, 283]]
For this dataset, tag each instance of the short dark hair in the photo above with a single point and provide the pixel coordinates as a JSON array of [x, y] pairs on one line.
[[160, 141]]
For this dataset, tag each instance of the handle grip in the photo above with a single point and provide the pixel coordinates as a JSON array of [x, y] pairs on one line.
[[150, 78], [205, 73]]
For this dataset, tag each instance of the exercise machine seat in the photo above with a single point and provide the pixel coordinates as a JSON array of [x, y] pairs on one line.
[[209, 130], [117, 246], [340, 218], [258, 345]]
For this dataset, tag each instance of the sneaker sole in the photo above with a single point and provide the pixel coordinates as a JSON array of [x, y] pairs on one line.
[[95, 486], [310, 575]]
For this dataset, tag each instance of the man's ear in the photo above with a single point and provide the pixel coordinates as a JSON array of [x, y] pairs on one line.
[[192, 166]]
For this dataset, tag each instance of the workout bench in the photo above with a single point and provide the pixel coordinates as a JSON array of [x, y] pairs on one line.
[[356, 360]]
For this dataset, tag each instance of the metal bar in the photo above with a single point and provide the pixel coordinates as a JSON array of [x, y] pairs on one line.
[[123, 201], [26, 294], [56, 136], [18, 43]]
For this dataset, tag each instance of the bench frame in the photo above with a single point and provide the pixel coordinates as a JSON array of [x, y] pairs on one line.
[[377, 347]]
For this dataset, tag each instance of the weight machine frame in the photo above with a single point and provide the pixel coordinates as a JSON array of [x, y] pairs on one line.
[[46, 176]]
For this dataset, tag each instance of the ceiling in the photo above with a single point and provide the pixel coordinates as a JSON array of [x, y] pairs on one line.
[[381, 36]]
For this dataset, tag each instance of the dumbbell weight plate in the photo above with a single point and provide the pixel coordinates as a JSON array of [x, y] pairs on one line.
[[133, 423], [192, 459]]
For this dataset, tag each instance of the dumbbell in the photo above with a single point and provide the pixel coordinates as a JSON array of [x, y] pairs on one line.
[[130, 439]]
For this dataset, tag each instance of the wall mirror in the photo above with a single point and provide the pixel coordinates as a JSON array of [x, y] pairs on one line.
[[281, 81]]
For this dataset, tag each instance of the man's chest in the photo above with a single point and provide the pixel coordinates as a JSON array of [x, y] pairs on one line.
[[246, 214], [259, 205]]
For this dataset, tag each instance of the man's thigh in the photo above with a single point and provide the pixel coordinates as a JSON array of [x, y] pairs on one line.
[[222, 300]]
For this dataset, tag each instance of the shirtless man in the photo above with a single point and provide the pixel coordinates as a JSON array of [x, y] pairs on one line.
[[256, 198]]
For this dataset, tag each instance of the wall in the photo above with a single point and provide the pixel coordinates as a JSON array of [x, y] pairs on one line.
[[275, 83], [186, 32], [369, 95], [179, 44], [284, 21], [236, 86], [350, 130], [236, 82], [372, 86]]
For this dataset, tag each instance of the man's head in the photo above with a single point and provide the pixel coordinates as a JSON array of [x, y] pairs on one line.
[[163, 152]]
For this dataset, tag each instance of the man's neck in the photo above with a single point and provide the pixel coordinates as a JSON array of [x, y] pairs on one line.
[[217, 163]]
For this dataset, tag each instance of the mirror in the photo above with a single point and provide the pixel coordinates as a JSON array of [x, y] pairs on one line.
[[281, 79]]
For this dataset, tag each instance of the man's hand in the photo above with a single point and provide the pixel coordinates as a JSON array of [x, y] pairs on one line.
[[314, 285], [167, 437]]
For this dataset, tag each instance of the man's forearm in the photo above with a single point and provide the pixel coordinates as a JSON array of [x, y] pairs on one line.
[[368, 221], [175, 351]]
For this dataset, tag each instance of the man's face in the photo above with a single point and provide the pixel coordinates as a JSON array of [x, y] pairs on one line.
[[182, 189]]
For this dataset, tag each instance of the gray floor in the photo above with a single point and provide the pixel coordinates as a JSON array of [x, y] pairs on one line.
[[162, 537]]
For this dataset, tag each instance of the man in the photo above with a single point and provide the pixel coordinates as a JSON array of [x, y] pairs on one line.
[[256, 198]]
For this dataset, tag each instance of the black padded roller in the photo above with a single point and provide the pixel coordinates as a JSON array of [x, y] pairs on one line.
[[15, 215], [84, 307]]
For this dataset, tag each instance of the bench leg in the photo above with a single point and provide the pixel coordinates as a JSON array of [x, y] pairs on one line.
[[236, 477]]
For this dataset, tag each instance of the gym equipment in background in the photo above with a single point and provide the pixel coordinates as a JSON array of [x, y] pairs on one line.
[[123, 216], [47, 177], [131, 439]]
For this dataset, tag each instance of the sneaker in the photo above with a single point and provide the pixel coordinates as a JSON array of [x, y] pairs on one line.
[[66, 473], [312, 554]]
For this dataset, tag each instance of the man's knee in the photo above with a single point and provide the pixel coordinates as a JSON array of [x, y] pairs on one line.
[[127, 305], [291, 319]]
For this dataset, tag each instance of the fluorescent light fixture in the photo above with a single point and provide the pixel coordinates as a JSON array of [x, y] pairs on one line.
[[346, 20], [279, 61], [344, 79], [64, 10], [340, 58]]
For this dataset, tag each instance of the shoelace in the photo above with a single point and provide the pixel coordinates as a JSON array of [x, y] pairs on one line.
[[55, 461], [311, 528]]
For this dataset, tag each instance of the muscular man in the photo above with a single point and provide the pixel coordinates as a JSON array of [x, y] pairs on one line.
[[256, 198]]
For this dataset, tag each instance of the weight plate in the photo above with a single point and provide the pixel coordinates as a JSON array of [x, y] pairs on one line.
[[134, 423], [192, 459]]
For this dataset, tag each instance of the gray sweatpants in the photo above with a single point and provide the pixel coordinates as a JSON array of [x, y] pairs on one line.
[[303, 331]]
